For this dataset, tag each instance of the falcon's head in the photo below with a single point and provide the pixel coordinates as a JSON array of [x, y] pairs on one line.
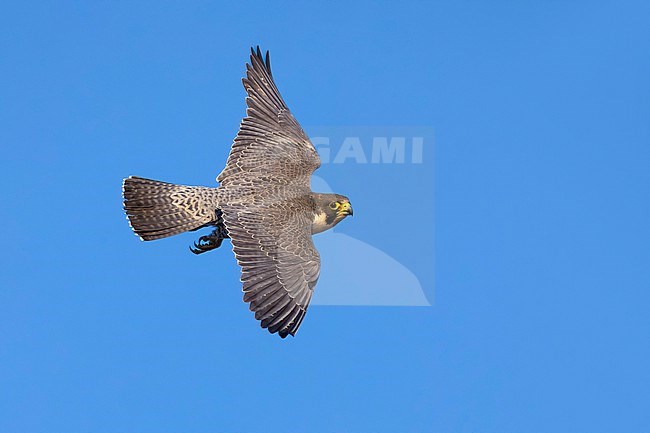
[[330, 210]]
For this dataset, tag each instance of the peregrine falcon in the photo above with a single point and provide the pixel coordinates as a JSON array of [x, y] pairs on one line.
[[263, 203]]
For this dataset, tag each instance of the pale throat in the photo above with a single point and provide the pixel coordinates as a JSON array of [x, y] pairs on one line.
[[320, 223]]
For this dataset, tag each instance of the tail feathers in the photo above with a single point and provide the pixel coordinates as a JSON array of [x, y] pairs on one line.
[[159, 209]]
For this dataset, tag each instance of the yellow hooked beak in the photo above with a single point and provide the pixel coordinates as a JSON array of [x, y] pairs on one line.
[[345, 209]]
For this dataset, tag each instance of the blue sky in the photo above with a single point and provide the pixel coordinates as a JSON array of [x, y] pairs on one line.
[[534, 203]]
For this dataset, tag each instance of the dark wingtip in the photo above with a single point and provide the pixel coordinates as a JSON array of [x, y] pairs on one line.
[[265, 60], [268, 62]]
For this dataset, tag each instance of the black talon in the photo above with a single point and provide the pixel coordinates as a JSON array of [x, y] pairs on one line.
[[196, 249], [211, 241]]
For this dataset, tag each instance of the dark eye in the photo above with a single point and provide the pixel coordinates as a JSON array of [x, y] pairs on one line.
[[334, 205]]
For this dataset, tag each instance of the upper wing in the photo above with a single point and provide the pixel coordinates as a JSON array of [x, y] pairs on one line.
[[270, 142], [280, 265]]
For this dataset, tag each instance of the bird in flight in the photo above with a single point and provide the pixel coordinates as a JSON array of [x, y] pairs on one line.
[[263, 203]]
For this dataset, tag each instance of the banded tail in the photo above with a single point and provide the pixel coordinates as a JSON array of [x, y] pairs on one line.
[[159, 209]]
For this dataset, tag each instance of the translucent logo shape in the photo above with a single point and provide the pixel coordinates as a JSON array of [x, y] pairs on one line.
[[356, 273]]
